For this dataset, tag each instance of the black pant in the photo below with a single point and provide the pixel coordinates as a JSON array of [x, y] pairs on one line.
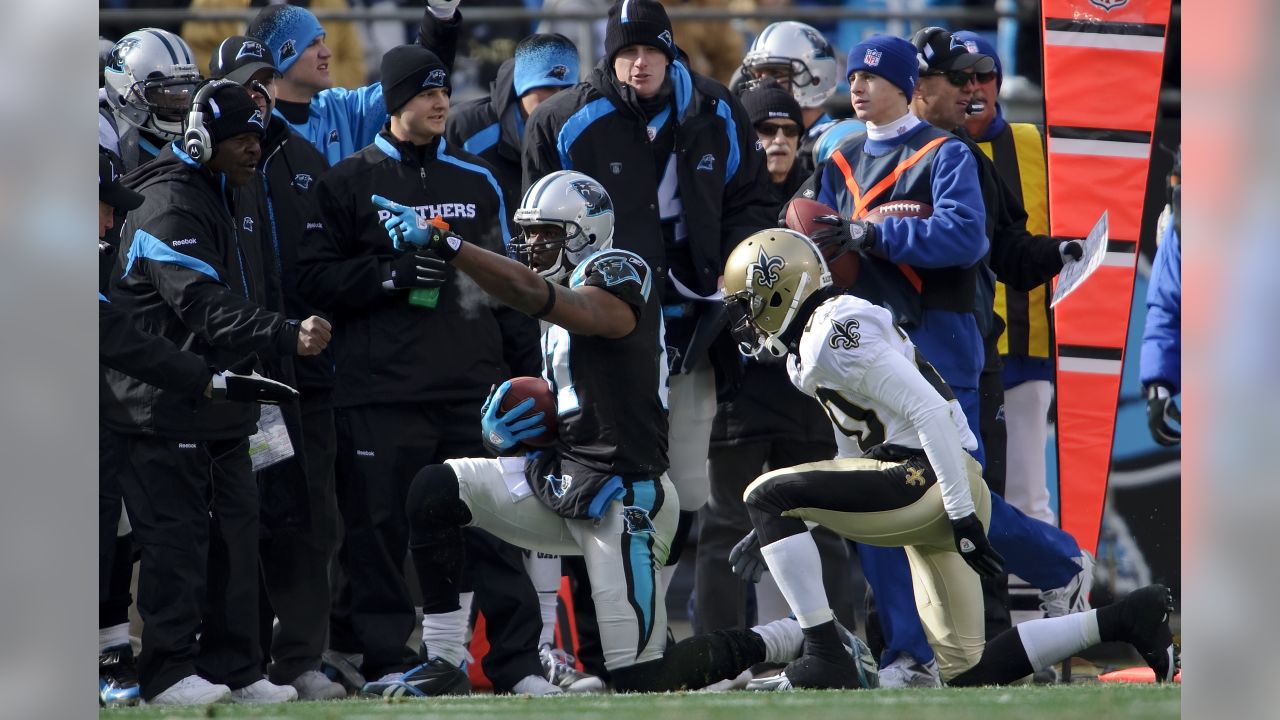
[[380, 449], [295, 562], [719, 595], [115, 554], [995, 591], [194, 509]]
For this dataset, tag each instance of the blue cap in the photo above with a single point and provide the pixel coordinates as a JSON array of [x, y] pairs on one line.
[[976, 43], [288, 30], [892, 58], [545, 60]]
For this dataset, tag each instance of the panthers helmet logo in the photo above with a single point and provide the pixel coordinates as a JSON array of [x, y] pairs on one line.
[[120, 52], [593, 195], [764, 271], [637, 520]]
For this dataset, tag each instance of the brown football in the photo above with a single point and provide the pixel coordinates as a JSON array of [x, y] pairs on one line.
[[543, 402], [899, 209], [799, 217]]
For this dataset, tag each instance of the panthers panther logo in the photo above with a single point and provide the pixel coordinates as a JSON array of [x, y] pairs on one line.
[[764, 271], [593, 195], [637, 520]]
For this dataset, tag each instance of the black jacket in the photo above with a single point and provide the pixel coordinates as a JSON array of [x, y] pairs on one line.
[[291, 167], [386, 350], [491, 128], [149, 358], [598, 128], [190, 269]]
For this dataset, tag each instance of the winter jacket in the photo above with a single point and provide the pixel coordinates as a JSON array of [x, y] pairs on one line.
[[492, 128], [1161, 360], [190, 269]]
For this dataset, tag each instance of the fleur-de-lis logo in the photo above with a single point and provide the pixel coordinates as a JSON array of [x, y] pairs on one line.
[[915, 476], [845, 334], [764, 271]]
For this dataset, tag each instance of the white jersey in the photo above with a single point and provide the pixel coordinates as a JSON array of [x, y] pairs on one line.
[[865, 372]]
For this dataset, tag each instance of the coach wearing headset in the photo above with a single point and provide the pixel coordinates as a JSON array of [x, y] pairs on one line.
[[189, 269]]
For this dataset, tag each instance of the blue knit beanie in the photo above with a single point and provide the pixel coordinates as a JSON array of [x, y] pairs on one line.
[[975, 43], [288, 30], [545, 60], [892, 58]]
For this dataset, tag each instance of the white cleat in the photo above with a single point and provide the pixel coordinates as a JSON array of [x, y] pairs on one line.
[[906, 672], [192, 690], [264, 692], [562, 672]]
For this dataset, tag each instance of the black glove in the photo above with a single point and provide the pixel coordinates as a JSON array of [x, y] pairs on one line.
[[844, 234], [239, 383], [418, 270], [746, 559], [1070, 250], [1161, 412], [973, 546]]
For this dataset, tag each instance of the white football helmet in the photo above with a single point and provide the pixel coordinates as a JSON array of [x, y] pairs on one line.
[[767, 277], [799, 52], [573, 202], [150, 79]]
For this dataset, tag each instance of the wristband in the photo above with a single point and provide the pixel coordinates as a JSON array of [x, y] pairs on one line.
[[549, 304]]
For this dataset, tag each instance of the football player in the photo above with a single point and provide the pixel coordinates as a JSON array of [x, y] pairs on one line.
[[591, 493], [901, 478]]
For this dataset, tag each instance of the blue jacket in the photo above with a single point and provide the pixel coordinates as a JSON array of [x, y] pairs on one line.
[[1161, 359]]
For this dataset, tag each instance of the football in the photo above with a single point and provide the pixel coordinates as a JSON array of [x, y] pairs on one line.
[[899, 209], [799, 217], [543, 402]]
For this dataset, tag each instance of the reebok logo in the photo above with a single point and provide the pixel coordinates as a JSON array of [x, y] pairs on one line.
[[187, 446], [315, 226], [184, 241], [365, 453]]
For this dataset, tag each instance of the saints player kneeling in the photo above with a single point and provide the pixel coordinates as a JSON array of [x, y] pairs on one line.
[[901, 478], [601, 491]]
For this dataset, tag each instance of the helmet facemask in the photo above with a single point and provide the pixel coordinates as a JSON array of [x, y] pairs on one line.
[[547, 246], [768, 278]]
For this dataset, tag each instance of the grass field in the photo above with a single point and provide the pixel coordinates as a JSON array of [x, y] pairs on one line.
[[1086, 700]]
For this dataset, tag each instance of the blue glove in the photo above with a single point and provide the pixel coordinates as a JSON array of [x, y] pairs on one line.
[[503, 432], [403, 229]]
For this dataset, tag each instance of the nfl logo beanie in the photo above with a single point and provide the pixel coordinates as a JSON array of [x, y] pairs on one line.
[[892, 58]]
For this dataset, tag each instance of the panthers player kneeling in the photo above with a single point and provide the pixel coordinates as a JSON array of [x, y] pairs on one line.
[[601, 491], [901, 478]]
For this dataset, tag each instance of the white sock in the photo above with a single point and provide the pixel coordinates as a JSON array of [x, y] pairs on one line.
[[109, 637], [783, 640], [797, 568], [445, 634], [544, 571], [1051, 640]]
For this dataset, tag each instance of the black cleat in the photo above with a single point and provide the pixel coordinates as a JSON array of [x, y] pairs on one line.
[[431, 679], [823, 673], [1145, 617], [118, 677]]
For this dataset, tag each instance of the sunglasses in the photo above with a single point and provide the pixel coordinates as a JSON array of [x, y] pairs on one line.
[[771, 129], [959, 78]]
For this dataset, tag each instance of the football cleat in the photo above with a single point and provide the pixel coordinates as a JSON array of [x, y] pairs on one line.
[[264, 692], [562, 671], [1074, 596], [343, 668], [813, 671], [118, 677], [192, 690], [315, 685], [431, 679], [906, 672], [1145, 614]]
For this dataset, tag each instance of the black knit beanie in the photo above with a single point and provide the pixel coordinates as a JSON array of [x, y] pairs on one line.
[[768, 101], [408, 70], [230, 111], [638, 22]]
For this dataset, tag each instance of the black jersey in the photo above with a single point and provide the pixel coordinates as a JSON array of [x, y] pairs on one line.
[[610, 397]]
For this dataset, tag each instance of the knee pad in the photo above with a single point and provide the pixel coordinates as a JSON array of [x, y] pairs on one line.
[[435, 501]]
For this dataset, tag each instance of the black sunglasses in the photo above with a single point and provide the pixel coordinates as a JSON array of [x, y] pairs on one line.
[[771, 129], [959, 78]]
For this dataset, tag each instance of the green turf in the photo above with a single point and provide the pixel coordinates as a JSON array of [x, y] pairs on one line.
[[1090, 701]]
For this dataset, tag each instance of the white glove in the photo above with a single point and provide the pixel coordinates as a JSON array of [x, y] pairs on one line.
[[240, 383]]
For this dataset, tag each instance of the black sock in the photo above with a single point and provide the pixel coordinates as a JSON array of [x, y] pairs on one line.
[[694, 663], [1004, 660], [823, 641], [1110, 626], [436, 518]]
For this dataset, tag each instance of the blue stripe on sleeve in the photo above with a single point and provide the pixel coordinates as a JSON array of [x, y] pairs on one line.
[[725, 111], [149, 247], [502, 204], [103, 298], [483, 140], [577, 124]]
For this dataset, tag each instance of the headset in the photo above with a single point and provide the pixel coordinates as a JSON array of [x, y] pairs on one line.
[[196, 140]]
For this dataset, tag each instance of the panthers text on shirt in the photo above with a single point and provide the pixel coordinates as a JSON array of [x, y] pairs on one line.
[[445, 210]]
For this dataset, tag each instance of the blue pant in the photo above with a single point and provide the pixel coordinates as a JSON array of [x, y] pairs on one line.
[[1035, 551]]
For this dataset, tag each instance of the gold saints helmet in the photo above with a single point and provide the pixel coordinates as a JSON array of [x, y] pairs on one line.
[[766, 279]]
